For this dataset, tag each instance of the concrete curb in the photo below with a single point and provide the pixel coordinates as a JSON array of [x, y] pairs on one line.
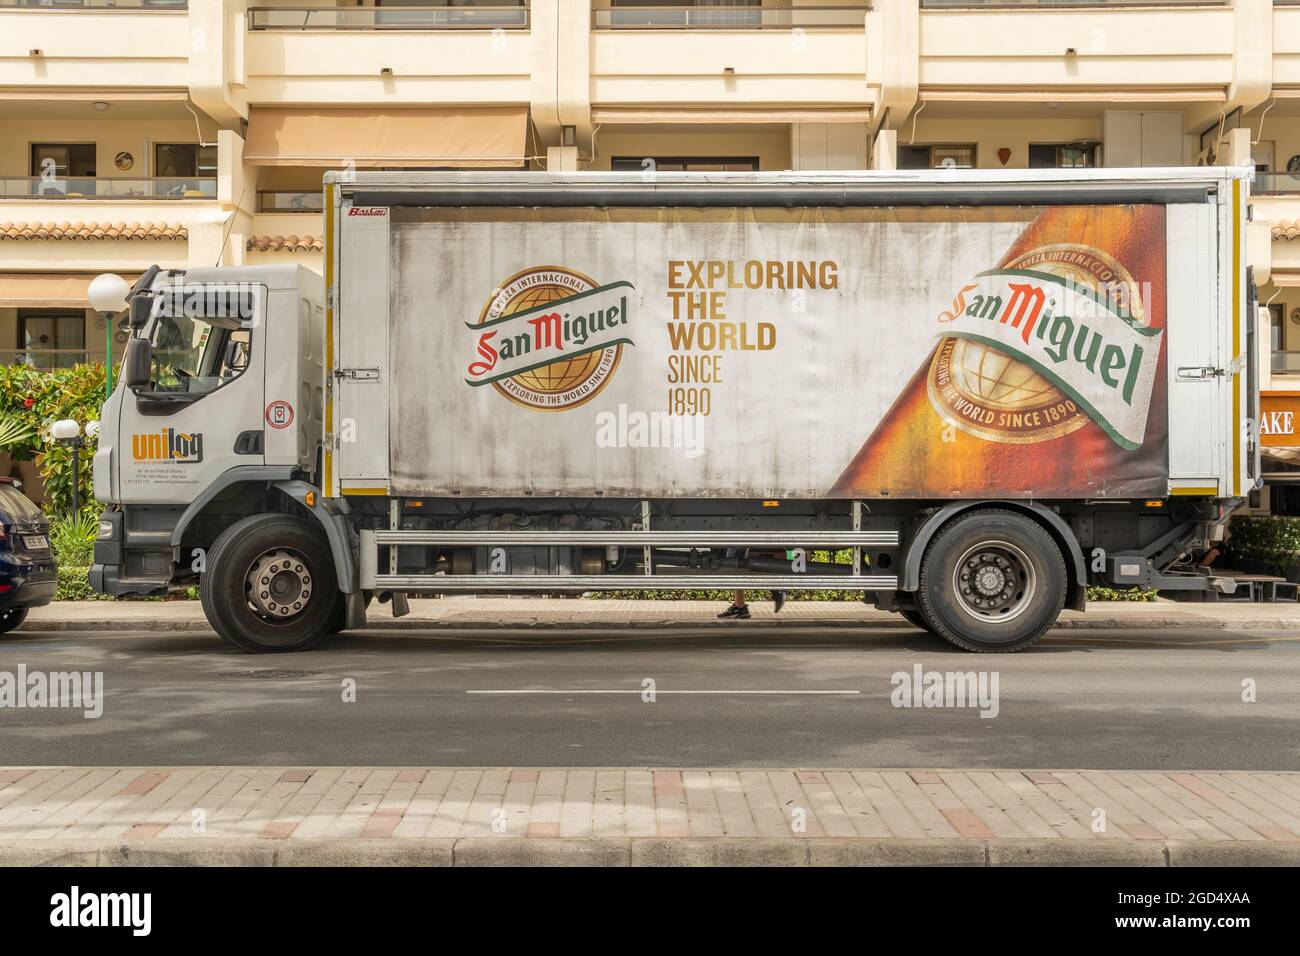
[[1100, 624], [505, 851]]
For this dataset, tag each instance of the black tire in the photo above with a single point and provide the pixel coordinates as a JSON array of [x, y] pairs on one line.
[[916, 620], [992, 581], [12, 617], [233, 610]]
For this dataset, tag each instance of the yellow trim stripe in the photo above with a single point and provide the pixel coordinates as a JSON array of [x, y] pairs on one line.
[[364, 491], [329, 339], [1236, 337], [1207, 490]]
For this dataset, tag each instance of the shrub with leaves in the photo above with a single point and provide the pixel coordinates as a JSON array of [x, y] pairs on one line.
[[33, 399], [1272, 540]]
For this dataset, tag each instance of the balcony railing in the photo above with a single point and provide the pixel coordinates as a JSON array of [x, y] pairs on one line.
[[1285, 362], [78, 187], [51, 358], [738, 17], [290, 200], [1276, 184], [1020, 4], [95, 5], [506, 16]]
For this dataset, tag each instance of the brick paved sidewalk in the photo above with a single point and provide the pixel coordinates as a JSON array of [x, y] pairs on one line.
[[284, 815]]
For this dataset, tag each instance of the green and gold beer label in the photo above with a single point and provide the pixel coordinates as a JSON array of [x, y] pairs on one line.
[[550, 338], [1035, 349]]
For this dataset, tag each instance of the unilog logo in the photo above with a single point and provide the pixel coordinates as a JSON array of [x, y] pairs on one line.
[[550, 338], [168, 445]]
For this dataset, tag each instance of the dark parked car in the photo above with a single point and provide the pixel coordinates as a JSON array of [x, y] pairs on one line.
[[28, 574]]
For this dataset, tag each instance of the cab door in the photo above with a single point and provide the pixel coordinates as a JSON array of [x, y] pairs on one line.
[[202, 411]]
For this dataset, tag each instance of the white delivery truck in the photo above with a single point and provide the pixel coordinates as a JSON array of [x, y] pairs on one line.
[[990, 388]]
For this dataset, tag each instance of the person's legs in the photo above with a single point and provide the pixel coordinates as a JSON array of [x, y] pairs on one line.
[[739, 609], [778, 601]]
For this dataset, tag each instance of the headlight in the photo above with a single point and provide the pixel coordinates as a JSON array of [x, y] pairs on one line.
[[106, 529]]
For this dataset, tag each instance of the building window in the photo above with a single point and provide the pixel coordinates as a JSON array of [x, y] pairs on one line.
[[936, 157], [1062, 155], [685, 164], [51, 338], [185, 160], [63, 168]]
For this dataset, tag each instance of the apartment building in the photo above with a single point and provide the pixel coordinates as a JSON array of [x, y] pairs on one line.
[[142, 131]]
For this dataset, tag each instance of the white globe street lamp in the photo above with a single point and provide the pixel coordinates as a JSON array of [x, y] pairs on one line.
[[67, 431], [107, 294]]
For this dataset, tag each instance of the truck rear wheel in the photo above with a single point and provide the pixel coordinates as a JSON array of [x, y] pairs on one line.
[[992, 581], [270, 585]]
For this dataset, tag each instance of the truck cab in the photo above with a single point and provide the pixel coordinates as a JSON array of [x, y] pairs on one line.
[[220, 396]]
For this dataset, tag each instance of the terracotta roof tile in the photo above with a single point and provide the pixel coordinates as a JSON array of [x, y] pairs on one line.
[[92, 230], [1286, 229], [285, 243]]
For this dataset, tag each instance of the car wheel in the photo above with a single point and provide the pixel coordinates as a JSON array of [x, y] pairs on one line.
[[12, 617]]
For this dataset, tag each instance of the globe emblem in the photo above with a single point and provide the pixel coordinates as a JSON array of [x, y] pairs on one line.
[[996, 379], [566, 382], [997, 397], [558, 376]]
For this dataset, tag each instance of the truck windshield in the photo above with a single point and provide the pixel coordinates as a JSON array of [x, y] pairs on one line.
[[198, 353]]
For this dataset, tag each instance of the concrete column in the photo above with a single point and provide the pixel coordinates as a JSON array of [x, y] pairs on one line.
[[1235, 150], [561, 159], [884, 153]]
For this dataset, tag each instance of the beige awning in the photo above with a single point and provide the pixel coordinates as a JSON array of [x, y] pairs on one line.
[[55, 290], [727, 116], [433, 136]]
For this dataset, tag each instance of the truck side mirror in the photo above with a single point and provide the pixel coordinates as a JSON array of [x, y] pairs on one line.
[[141, 308], [137, 362]]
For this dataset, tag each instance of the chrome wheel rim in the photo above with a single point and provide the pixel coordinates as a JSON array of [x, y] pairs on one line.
[[994, 582], [278, 585]]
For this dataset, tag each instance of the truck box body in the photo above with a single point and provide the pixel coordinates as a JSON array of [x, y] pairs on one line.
[[935, 343]]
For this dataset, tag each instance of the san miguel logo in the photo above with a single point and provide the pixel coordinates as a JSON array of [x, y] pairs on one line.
[[1037, 348], [550, 338], [168, 445]]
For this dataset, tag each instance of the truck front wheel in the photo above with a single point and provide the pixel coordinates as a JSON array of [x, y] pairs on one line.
[[270, 585], [992, 581]]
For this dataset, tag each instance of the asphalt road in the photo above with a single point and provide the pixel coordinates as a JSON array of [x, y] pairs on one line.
[[1109, 699]]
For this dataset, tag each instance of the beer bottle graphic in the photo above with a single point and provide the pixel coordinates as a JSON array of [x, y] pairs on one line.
[[978, 419]]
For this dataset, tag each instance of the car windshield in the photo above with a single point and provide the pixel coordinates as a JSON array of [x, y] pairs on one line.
[[15, 504], [200, 343]]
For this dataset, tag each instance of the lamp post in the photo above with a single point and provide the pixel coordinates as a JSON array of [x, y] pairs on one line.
[[66, 431], [107, 294]]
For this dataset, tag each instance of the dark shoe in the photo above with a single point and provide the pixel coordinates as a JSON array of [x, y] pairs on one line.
[[742, 613], [778, 601], [731, 611]]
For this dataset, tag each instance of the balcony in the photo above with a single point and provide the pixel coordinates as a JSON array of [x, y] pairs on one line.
[[77, 188], [1165, 52], [739, 17], [400, 56], [94, 45], [1056, 4], [771, 59], [505, 16]]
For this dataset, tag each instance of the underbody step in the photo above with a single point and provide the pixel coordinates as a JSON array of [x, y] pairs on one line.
[[624, 582]]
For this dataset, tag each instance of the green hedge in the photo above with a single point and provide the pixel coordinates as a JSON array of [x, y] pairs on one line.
[[1271, 540]]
